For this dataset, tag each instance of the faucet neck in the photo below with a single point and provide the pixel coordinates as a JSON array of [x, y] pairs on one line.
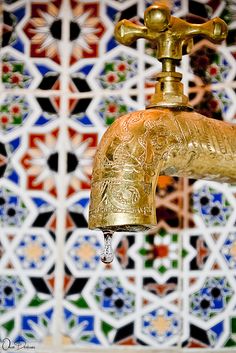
[[169, 88]]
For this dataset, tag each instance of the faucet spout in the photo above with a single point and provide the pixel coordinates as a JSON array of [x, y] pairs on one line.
[[139, 147]]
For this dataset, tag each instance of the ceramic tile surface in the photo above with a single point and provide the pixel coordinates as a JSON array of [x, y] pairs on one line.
[[64, 80]]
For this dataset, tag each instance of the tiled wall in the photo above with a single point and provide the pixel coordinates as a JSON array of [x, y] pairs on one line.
[[64, 80]]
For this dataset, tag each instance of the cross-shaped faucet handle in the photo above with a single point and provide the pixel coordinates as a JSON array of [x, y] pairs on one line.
[[172, 36]]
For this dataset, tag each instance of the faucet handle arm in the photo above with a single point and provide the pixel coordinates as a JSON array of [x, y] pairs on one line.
[[127, 32], [171, 35], [215, 30]]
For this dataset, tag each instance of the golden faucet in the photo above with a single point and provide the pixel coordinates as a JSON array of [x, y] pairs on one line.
[[168, 138]]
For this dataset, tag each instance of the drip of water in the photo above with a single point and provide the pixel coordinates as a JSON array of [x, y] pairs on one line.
[[107, 254]]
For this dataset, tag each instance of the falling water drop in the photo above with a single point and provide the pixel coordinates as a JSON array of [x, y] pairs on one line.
[[107, 254]]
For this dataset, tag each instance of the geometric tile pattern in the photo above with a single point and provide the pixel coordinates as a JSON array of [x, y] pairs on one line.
[[64, 79]]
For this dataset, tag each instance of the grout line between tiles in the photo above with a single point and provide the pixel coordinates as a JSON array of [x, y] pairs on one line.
[[129, 349], [61, 207], [185, 203]]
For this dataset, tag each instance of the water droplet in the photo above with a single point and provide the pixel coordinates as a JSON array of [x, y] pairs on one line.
[[107, 254]]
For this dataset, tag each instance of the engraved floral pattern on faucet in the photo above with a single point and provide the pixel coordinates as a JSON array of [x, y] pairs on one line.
[[124, 197], [135, 150]]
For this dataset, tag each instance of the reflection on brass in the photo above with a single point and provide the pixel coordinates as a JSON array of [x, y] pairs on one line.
[[166, 139]]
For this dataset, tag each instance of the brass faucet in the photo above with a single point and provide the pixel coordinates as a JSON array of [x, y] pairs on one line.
[[168, 138]]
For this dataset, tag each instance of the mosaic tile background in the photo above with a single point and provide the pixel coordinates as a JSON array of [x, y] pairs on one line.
[[64, 80]]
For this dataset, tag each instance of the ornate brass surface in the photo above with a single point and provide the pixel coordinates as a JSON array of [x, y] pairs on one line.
[[172, 37], [142, 145], [175, 141]]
